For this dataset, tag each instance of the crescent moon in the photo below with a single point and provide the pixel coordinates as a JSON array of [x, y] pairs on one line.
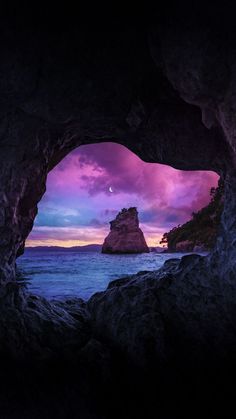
[[110, 189]]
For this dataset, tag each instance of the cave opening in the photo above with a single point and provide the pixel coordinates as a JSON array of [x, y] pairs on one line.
[[85, 191]]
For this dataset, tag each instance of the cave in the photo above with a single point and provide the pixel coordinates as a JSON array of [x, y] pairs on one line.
[[165, 90]]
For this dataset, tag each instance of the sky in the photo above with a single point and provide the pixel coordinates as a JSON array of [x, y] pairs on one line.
[[78, 205]]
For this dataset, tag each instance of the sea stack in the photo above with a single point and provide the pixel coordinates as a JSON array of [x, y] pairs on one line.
[[125, 235]]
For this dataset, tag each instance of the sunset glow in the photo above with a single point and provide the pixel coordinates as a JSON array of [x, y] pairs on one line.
[[78, 204]]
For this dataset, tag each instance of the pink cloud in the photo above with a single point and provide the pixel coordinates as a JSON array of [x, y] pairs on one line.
[[78, 192]]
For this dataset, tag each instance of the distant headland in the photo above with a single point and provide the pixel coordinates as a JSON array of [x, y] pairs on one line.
[[86, 248]]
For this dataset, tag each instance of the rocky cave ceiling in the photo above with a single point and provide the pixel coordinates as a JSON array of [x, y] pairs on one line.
[[164, 89]]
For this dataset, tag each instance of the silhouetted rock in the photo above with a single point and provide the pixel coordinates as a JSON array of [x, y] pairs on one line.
[[184, 246], [31, 326], [152, 316], [125, 235]]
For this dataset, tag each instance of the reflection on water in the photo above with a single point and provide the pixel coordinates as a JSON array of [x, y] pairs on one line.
[[59, 274]]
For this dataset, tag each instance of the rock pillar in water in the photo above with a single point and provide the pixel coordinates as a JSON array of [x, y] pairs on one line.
[[125, 234]]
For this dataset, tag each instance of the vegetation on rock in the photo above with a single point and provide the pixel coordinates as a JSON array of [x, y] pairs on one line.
[[201, 231]]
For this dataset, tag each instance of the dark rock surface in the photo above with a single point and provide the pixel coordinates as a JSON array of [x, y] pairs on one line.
[[152, 315], [184, 246], [125, 234], [31, 326], [147, 338], [81, 85]]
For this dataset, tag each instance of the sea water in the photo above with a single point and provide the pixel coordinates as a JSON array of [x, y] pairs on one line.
[[55, 274]]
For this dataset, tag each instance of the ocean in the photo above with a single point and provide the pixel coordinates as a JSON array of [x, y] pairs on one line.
[[58, 274]]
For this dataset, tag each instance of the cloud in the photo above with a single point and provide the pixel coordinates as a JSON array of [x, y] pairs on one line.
[[165, 217], [95, 223], [78, 201], [96, 167], [63, 234], [56, 220]]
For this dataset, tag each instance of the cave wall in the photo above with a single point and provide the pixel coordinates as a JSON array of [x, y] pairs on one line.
[[167, 92]]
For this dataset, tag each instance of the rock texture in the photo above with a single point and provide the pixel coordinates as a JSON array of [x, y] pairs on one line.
[[130, 90], [125, 235], [184, 246], [174, 312], [32, 327]]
